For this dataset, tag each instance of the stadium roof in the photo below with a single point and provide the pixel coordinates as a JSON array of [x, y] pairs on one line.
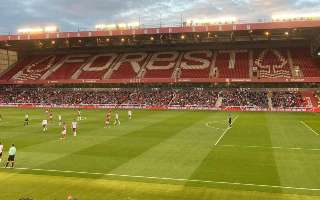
[[188, 34], [167, 30]]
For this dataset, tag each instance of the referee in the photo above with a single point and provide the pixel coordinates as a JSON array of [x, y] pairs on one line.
[[12, 154], [230, 120]]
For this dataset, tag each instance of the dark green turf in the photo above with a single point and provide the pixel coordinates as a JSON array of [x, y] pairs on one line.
[[257, 153]]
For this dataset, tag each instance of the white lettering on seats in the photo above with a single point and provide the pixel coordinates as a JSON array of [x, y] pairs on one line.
[[163, 60], [133, 59], [276, 64], [232, 60], [35, 69], [89, 68], [201, 58], [81, 58], [232, 57]]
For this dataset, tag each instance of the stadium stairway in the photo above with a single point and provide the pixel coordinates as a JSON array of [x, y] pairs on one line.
[[173, 98], [270, 105], [219, 102], [302, 60], [143, 69], [177, 69], [213, 69], [250, 64], [109, 72], [310, 98]]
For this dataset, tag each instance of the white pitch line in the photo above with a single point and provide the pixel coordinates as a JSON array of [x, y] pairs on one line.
[[208, 125], [225, 131], [174, 179], [308, 127], [266, 147]]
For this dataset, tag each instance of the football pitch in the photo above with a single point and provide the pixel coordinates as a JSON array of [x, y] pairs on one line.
[[163, 155]]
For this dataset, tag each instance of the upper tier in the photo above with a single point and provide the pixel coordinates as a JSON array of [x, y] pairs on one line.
[[173, 65]]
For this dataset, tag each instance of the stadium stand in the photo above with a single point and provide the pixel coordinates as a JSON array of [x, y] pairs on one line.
[[302, 60], [97, 66], [285, 99], [245, 97], [161, 65], [196, 64], [270, 63], [233, 64], [66, 67], [129, 66], [186, 97]]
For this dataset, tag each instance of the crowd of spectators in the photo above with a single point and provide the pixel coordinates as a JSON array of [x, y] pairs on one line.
[[203, 97], [151, 97], [195, 97], [285, 99], [146, 97], [245, 97], [63, 96]]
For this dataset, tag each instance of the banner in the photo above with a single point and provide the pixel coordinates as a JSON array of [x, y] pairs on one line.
[[133, 106]]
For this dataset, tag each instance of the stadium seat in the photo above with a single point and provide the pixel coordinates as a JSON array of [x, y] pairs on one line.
[[303, 59], [237, 67], [272, 63], [196, 64]]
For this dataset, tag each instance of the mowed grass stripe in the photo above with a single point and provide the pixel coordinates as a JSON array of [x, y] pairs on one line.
[[24, 136], [89, 135], [287, 131], [249, 166], [48, 151], [295, 168], [241, 165], [309, 128], [170, 180], [179, 155], [249, 129], [46, 187], [110, 154], [225, 131]]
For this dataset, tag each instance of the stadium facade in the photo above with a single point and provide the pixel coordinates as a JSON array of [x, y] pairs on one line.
[[270, 66]]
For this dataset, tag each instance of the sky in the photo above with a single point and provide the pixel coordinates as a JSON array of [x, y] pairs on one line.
[[73, 15]]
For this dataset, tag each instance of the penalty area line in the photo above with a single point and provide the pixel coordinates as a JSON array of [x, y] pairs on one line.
[[170, 179], [209, 126], [270, 147], [225, 131], [309, 128]]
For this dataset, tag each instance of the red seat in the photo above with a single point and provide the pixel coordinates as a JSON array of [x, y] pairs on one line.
[[303, 59], [241, 65]]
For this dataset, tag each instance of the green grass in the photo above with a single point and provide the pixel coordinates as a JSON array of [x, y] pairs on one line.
[[163, 155]]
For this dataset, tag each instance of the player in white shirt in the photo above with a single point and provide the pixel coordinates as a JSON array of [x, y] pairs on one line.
[[60, 120], [130, 114], [26, 119], [74, 126], [1, 150], [116, 120], [45, 125]]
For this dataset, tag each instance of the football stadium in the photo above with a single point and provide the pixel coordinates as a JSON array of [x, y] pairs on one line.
[[217, 108]]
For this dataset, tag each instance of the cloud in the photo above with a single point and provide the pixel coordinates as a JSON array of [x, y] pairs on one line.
[[70, 14]]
